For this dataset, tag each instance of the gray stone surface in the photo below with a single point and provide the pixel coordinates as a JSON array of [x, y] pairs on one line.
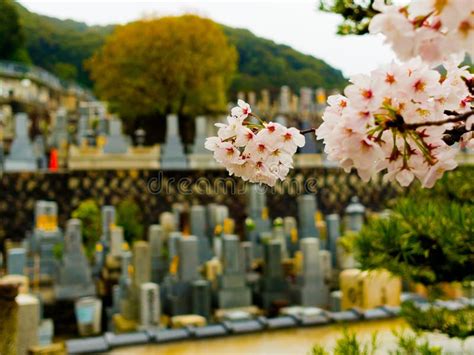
[[16, 261], [244, 326], [127, 339], [188, 258], [333, 233], [306, 216], [108, 218], [311, 290], [233, 292], [281, 322], [156, 238], [172, 155], [273, 284], [212, 330], [87, 345], [165, 335], [22, 156], [200, 136], [199, 229], [74, 279], [201, 298], [116, 143]]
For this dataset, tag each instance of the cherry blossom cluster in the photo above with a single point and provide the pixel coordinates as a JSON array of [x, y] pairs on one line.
[[379, 123], [432, 29], [256, 151]]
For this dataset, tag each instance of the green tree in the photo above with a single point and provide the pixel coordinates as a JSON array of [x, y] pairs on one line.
[[172, 64], [11, 31], [89, 214]]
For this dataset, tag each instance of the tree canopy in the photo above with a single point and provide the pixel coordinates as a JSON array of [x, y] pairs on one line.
[[178, 64], [11, 31]]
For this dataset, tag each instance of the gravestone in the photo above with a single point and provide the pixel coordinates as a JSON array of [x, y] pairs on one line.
[[284, 99], [27, 322], [278, 234], [116, 143], [141, 263], [247, 256], [311, 291], [199, 229], [200, 136], [150, 305], [108, 221], [274, 285], [258, 212], [125, 285], [156, 238], [306, 100], [45, 237], [82, 130], [188, 253], [333, 232], [178, 291], [265, 101], [291, 232], [233, 292], [172, 156], [59, 136], [307, 216], [40, 152], [201, 298], [116, 241], [22, 156], [74, 278], [201, 158], [16, 261], [173, 242]]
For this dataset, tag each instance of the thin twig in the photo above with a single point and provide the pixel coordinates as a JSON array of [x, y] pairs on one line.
[[454, 119], [309, 130]]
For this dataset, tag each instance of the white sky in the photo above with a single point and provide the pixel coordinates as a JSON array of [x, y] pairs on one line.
[[295, 23]]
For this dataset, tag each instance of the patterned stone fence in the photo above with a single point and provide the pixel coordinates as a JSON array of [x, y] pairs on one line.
[[155, 191]]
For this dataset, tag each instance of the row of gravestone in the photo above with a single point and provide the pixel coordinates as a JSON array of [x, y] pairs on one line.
[[25, 156]]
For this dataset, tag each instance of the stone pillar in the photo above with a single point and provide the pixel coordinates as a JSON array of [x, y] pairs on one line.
[[188, 258], [156, 238], [141, 263], [150, 305], [232, 289], [199, 229], [16, 261], [201, 298], [333, 232], [306, 216]]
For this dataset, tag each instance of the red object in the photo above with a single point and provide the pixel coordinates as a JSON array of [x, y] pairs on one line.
[[53, 160]]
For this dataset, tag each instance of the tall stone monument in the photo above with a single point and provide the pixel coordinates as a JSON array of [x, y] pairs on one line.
[[307, 216], [16, 261], [334, 232], [284, 99], [156, 238], [74, 279], [172, 156], [258, 212], [274, 287], [232, 289], [22, 156], [116, 143], [199, 229], [46, 235], [150, 305], [108, 221], [311, 291]]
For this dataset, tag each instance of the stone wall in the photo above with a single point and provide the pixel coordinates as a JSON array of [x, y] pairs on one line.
[[19, 191]]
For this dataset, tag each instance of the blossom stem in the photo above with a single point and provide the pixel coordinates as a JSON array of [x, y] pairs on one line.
[[454, 119], [309, 130]]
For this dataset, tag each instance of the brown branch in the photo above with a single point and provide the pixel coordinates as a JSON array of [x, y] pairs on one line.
[[458, 118], [309, 130]]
